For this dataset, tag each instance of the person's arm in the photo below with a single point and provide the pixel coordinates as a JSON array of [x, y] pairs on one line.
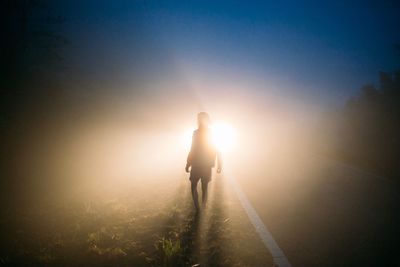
[[219, 162], [189, 157]]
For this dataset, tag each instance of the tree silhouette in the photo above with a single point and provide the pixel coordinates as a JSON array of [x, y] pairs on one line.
[[30, 54], [30, 48], [372, 126]]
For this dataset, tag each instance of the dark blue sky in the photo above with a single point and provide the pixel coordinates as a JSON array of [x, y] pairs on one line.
[[324, 50]]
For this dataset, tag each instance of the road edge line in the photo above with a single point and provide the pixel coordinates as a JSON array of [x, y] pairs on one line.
[[279, 258]]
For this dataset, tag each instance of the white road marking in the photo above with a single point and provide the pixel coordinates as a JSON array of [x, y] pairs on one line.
[[278, 256]]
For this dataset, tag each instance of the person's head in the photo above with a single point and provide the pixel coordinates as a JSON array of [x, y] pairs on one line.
[[203, 119]]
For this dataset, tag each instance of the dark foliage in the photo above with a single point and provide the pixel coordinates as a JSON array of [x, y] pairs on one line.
[[371, 135], [30, 53]]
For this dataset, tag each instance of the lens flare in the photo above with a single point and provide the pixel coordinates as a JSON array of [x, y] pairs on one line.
[[223, 136]]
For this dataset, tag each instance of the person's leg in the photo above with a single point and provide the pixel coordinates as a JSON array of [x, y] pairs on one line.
[[205, 179], [204, 188], [194, 192]]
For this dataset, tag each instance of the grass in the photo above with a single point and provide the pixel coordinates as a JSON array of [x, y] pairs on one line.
[[170, 250], [129, 231]]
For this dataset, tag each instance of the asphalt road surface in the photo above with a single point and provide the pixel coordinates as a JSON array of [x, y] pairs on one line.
[[325, 213]]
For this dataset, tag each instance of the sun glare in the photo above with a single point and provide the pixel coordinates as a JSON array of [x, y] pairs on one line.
[[223, 136]]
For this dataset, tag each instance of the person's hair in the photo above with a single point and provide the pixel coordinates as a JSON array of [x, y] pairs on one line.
[[203, 119]]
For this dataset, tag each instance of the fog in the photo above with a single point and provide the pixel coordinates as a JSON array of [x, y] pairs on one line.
[[128, 141]]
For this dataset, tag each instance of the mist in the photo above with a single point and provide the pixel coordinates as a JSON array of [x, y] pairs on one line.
[[98, 108]]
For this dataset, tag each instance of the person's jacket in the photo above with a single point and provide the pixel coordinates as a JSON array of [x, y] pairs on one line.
[[203, 152]]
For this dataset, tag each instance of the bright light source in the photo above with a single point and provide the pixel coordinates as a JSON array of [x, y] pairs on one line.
[[223, 136]]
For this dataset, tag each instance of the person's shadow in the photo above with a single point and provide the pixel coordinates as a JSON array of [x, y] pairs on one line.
[[190, 239], [216, 228]]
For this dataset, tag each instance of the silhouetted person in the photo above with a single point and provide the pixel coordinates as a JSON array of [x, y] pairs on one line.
[[201, 158]]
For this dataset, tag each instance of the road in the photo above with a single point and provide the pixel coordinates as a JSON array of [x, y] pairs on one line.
[[324, 213]]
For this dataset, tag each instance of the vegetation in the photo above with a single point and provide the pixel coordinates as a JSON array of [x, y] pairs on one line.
[[371, 129], [131, 230]]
